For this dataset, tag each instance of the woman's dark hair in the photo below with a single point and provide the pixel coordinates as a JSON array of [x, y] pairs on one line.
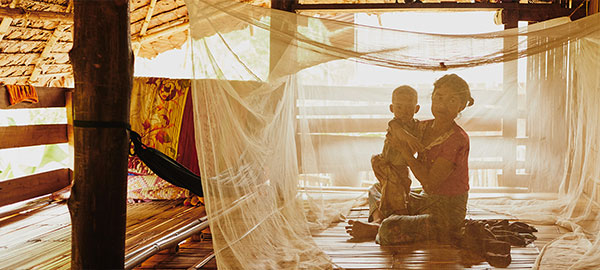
[[458, 85]]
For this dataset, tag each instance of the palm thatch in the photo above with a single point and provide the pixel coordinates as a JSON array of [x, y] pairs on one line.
[[37, 35]]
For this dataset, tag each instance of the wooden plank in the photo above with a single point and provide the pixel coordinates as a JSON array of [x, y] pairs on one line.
[[526, 11], [384, 110], [40, 238], [490, 95], [425, 255], [70, 134], [20, 136], [49, 97], [32, 186], [365, 125], [20, 13], [486, 153]]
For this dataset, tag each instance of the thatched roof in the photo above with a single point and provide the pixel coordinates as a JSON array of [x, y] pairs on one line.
[[37, 35]]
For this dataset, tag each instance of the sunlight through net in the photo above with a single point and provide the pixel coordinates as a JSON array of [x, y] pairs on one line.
[[289, 110]]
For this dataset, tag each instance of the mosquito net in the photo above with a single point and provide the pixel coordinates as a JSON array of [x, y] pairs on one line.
[[289, 110]]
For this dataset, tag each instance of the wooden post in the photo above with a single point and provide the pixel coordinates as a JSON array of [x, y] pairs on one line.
[[277, 25], [594, 7], [510, 83], [102, 61]]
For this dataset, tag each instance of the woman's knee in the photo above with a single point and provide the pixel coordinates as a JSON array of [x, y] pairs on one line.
[[392, 231]]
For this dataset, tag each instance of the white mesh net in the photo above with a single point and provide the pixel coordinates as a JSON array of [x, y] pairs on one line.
[[286, 116]]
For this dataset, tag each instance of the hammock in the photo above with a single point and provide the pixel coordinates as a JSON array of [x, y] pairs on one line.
[[166, 167]]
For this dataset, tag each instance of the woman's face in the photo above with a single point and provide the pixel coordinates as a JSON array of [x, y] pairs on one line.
[[446, 104]]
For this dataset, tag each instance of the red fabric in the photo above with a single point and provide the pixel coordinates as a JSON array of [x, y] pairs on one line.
[[455, 149], [187, 142]]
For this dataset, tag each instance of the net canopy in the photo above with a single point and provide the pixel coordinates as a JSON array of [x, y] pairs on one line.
[[289, 110]]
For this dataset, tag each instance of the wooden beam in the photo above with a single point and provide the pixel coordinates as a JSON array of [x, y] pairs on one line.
[[50, 97], [70, 132], [21, 136], [5, 24], [19, 13], [31, 186], [510, 84], [594, 7], [136, 47], [103, 69], [285, 5], [353, 125], [526, 12], [148, 18], [46, 75], [179, 27]]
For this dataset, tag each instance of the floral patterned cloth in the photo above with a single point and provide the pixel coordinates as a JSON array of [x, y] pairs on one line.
[[157, 108]]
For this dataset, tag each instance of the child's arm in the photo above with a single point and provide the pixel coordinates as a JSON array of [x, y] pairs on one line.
[[395, 130]]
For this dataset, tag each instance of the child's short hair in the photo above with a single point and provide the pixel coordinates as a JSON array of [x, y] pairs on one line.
[[404, 90]]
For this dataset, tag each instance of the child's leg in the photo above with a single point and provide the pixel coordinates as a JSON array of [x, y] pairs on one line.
[[396, 190], [393, 194], [374, 202], [379, 166]]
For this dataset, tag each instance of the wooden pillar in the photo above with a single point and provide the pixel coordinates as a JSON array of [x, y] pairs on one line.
[[594, 7], [277, 25], [510, 83], [278, 45], [103, 70]]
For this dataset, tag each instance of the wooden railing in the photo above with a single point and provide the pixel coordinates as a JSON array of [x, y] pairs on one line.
[[487, 131], [38, 184]]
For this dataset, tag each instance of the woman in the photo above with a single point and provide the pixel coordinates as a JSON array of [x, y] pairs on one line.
[[442, 169]]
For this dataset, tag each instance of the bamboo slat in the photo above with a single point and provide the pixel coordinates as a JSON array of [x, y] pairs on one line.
[[19, 13], [41, 238], [427, 255]]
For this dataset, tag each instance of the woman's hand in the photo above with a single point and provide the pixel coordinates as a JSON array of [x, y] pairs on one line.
[[406, 154], [400, 134]]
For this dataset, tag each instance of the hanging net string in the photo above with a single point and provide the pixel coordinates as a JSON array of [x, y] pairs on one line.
[[386, 47], [289, 107]]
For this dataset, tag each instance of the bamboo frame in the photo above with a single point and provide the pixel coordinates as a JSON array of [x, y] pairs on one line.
[[19, 13], [138, 256], [526, 12], [176, 28], [5, 24], [137, 47]]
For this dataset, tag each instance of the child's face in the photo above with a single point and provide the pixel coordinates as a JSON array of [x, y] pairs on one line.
[[404, 107]]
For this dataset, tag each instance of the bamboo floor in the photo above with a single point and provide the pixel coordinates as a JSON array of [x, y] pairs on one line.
[[40, 239], [38, 236], [347, 254]]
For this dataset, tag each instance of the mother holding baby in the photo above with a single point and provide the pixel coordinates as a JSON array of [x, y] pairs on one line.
[[438, 211]]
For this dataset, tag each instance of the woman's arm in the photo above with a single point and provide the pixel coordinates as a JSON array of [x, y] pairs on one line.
[[430, 178], [397, 133]]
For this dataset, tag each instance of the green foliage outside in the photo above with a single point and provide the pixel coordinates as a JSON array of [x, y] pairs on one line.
[[17, 162]]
